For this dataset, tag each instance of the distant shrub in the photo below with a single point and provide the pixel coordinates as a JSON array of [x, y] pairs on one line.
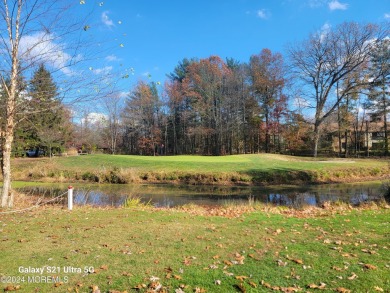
[[88, 176]]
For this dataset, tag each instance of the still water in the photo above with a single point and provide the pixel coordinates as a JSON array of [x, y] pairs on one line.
[[173, 195]]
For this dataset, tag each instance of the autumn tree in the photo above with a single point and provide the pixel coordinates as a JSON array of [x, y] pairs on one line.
[[142, 119], [241, 108], [180, 107], [207, 79], [329, 57], [266, 70]]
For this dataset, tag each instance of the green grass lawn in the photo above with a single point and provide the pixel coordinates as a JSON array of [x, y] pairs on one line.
[[235, 163], [258, 251], [257, 169]]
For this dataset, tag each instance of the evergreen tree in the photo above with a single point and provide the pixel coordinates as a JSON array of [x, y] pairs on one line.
[[45, 126]]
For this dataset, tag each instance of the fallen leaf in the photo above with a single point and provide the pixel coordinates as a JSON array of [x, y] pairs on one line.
[[156, 286], [281, 263], [343, 290], [11, 288], [265, 284], [290, 289], [95, 289], [353, 277], [140, 286], [370, 267], [187, 261], [252, 284], [154, 279], [379, 289], [241, 278], [227, 262], [298, 261]]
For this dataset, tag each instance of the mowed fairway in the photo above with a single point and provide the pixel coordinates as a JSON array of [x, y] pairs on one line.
[[240, 163], [263, 168]]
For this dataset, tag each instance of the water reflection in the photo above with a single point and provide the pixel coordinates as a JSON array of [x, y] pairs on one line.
[[170, 196]]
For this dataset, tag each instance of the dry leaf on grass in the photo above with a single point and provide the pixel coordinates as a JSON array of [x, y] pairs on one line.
[[369, 266]]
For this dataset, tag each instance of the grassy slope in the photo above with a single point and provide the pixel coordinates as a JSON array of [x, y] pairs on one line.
[[236, 163], [128, 247], [237, 169]]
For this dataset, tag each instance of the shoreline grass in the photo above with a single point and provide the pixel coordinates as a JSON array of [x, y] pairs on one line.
[[338, 249]]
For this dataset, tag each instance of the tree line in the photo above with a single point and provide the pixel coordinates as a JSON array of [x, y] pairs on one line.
[[333, 85]]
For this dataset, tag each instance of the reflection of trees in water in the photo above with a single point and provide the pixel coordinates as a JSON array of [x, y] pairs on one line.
[[170, 196], [44, 192], [98, 198]]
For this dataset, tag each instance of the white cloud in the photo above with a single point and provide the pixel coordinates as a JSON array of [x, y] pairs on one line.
[[263, 14], [104, 70], [325, 29], [106, 20], [387, 15], [112, 58], [336, 5], [41, 48]]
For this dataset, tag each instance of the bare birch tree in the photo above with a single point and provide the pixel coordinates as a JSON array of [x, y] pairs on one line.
[[33, 32]]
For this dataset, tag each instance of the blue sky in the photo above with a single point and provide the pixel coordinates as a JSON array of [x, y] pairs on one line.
[[147, 38]]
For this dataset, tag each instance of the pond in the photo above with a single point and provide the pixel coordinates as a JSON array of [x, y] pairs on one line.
[[174, 195]]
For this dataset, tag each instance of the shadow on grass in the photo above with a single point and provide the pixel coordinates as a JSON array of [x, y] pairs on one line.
[[281, 176]]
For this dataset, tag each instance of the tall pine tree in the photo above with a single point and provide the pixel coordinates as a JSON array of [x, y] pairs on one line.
[[46, 126]]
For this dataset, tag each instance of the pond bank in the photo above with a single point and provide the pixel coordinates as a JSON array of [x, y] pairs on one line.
[[255, 170], [254, 178]]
